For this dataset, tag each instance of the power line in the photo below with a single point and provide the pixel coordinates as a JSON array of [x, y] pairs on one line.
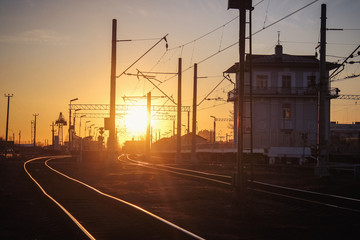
[[134, 40], [277, 21], [343, 29], [328, 43], [213, 106], [163, 38], [231, 45], [206, 34], [346, 78], [337, 71], [212, 91]]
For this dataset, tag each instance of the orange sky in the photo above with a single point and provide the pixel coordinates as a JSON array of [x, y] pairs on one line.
[[54, 51]]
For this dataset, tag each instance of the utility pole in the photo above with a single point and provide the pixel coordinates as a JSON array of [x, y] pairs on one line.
[[7, 121], [52, 134], [19, 137], [242, 6], [32, 131], [193, 134], [35, 115], [322, 152], [148, 126], [112, 134], [178, 136], [240, 155]]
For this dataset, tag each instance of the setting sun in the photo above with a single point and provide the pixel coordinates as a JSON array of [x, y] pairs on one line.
[[135, 123]]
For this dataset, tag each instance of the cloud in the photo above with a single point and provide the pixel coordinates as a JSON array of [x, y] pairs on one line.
[[36, 37]]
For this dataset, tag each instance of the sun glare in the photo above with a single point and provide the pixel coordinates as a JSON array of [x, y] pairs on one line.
[[135, 123]]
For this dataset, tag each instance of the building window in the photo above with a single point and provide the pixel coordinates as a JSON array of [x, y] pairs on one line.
[[286, 111], [286, 81], [286, 123], [262, 81]]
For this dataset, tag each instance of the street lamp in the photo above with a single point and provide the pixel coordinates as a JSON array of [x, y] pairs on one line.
[[80, 124], [214, 140], [70, 128]]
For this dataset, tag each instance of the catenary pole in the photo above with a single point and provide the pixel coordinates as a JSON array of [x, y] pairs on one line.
[[35, 115], [7, 121], [193, 133], [322, 103], [112, 136], [148, 126], [178, 136], [240, 88]]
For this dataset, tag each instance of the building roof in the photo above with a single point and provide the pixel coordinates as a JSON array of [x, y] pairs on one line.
[[281, 60]]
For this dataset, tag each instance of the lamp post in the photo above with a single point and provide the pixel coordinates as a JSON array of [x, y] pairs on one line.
[[214, 140], [80, 124], [70, 127]]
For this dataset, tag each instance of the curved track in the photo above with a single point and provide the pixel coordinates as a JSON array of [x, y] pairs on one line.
[[99, 215], [326, 200]]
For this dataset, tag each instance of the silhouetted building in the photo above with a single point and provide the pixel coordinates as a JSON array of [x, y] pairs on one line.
[[345, 139], [134, 146], [284, 103], [169, 144]]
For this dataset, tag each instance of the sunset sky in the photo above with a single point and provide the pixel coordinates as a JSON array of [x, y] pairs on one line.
[[52, 51]]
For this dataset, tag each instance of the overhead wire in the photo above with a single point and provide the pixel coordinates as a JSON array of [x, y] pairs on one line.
[[266, 13], [211, 91], [236, 43], [340, 68], [231, 45], [212, 106], [204, 35], [163, 38], [279, 20]]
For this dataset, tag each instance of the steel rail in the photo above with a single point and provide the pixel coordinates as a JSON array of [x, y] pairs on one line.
[[306, 200], [80, 226], [127, 203], [288, 190], [183, 169], [179, 173], [310, 194]]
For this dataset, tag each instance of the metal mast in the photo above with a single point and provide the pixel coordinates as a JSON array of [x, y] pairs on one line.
[[322, 96], [193, 133], [112, 135], [178, 134], [242, 6], [7, 120], [35, 115]]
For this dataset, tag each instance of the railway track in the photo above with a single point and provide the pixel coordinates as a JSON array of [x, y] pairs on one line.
[[332, 201], [205, 176], [97, 214]]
